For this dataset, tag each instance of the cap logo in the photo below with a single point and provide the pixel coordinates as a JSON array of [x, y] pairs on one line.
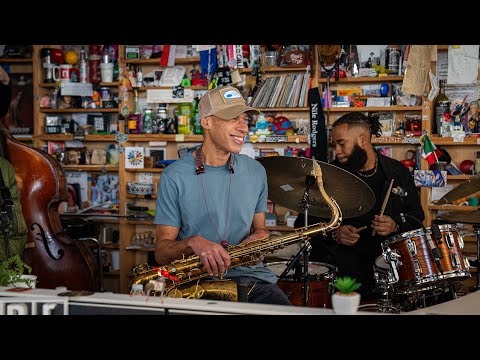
[[231, 94]]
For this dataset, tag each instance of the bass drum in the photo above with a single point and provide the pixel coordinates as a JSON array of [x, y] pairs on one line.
[[319, 283]]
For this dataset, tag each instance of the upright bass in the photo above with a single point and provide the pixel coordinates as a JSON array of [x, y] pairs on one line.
[[55, 258]]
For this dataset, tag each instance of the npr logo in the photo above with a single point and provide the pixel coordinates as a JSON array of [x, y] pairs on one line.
[[33, 306]]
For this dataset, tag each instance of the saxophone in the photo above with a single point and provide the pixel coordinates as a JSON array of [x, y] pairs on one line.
[[188, 272]]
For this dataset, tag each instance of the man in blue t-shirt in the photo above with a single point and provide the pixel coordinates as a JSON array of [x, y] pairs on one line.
[[215, 197]]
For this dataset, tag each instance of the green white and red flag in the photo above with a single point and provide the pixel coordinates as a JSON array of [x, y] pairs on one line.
[[430, 151]]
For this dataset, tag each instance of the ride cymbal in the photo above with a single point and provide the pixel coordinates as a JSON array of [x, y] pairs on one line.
[[467, 188], [287, 178]]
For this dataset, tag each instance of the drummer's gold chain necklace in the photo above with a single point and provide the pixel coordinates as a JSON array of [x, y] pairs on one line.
[[199, 161], [374, 170]]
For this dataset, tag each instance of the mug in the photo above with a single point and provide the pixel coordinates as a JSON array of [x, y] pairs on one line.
[[64, 73]]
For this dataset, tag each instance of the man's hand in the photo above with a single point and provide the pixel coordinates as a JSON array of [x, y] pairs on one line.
[[347, 234], [213, 255], [383, 225]]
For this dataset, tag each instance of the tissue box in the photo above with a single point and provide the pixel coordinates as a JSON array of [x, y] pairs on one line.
[[270, 219]]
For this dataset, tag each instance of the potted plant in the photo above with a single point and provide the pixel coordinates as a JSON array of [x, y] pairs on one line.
[[345, 300], [14, 272]]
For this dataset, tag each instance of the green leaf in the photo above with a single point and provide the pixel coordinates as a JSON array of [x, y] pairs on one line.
[[346, 284], [12, 269]]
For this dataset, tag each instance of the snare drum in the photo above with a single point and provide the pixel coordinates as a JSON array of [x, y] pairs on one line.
[[410, 262], [319, 284], [455, 266]]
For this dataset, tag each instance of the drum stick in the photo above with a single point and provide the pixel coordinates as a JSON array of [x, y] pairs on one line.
[[360, 229], [385, 201]]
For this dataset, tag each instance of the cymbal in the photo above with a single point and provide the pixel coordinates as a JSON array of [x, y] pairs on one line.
[[468, 187], [470, 217], [286, 187]]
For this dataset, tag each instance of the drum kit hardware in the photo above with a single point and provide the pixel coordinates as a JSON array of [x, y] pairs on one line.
[[467, 188], [290, 184], [418, 268]]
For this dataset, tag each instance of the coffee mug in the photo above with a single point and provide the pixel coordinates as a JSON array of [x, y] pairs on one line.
[[63, 73]]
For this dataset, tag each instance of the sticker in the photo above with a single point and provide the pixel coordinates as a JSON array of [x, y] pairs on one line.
[[286, 187], [121, 137]]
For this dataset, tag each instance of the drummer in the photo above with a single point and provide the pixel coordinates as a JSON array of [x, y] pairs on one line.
[[352, 247]]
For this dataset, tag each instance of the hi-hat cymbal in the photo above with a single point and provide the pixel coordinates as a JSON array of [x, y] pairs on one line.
[[470, 217], [468, 187], [286, 186]]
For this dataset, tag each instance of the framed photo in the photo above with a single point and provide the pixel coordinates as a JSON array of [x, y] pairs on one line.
[[387, 125], [370, 55], [19, 119]]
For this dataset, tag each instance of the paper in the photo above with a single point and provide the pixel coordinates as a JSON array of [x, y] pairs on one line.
[[462, 64], [418, 66], [442, 65]]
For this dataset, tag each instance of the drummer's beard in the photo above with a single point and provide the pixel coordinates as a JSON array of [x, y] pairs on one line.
[[357, 158]]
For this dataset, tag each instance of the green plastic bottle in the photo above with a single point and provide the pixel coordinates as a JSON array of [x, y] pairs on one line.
[[197, 126], [185, 118]]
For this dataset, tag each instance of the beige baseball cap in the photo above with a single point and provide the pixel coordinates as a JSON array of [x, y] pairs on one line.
[[225, 102]]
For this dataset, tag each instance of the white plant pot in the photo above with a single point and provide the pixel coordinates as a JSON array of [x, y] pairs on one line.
[[32, 283], [345, 304]]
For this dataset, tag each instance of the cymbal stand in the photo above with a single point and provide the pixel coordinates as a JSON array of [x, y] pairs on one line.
[[301, 272]]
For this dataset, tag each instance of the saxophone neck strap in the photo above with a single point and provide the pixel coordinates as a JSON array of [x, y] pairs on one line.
[[200, 165]]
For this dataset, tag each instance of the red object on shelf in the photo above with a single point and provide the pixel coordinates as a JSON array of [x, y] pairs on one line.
[[467, 167]]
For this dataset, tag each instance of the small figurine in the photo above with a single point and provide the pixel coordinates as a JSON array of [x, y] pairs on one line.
[[472, 118], [409, 161]]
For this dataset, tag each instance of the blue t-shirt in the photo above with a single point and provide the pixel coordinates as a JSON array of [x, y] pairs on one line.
[[201, 204]]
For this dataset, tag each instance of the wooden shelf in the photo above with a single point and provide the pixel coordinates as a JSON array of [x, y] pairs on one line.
[[374, 108], [465, 208], [109, 84], [145, 249], [192, 138], [284, 109], [156, 61], [414, 140], [23, 137], [69, 137], [442, 47], [16, 60], [169, 87], [140, 222], [458, 177], [102, 168], [274, 69], [103, 110], [152, 170], [363, 79], [468, 140]]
